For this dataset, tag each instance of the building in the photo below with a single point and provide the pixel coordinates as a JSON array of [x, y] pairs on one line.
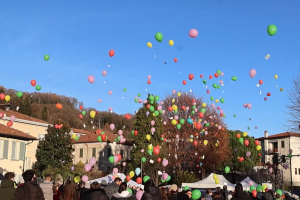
[[88, 146], [281, 144]]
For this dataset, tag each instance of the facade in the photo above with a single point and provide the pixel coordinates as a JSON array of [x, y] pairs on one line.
[[88, 146], [281, 144]]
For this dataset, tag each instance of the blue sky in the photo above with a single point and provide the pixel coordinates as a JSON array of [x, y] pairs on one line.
[[79, 34]]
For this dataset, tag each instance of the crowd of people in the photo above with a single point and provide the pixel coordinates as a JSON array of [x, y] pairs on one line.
[[117, 190]]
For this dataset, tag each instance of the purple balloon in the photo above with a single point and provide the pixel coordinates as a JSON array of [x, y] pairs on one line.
[[207, 91], [165, 162], [248, 153], [92, 161], [91, 79], [87, 167], [164, 176], [265, 98], [290, 151], [252, 73], [235, 149], [139, 195], [147, 113], [72, 168]]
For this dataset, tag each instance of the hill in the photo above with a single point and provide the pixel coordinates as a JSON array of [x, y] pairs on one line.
[[43, 106]]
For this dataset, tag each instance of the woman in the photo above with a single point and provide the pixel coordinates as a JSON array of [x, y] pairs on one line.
[[173, 192], [69, 191], [58, 182], [163, 192], [152, 192], [94, 193], [122, 193], [217, 196]]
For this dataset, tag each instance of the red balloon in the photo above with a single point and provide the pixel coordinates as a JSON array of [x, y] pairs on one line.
[[98, 132], [221, 115], [156, 150], [158, 159], [165, 139], [257, 142], [33, 82], [259, 154], [198, 126], [195, 143], [148, 106], [201, 115], [246, 142], [210, 76], [241, 159], [80, 107], [194, 100], [135, 132], [111, 53], [184, 82], [201, 76], [175, 59], [260, 82], [80, 116], [2, 96], [183, 107], [128, 178], [56, 126], [163, 135], [149, 82], [191, 76], [119, 157], [170, 108], [238, 135], [268, 94], [216, 75], [254, 193], [1, 115], [218, 108], [139, 180], [103, 137], [9, 124]]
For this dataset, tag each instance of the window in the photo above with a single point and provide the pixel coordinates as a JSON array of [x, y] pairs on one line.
[[22, 151], [81, 153], [28, 163], [94, 152], [282, 144], [295, 171], [299, 171], [5, 149], [13, 150], [109, 152]]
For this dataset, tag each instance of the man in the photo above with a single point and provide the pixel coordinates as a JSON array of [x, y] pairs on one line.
[[30, 189], [239, 193], [209, 195], [47, 187], [134, 191], [7, 189], [225, 191], [184, 195], [1, 174], [113, 187]]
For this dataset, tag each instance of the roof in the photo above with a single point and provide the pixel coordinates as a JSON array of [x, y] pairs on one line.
[[91, 137], [22, 116], [8, 132], [280, 135]]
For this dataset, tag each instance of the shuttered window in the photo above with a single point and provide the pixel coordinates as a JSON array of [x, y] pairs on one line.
[[81, 153], [13, 150], [94, 152], [5, 149], [22, 151]]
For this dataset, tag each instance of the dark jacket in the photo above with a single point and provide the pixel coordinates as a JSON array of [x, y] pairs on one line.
[[134, 194], [219, 198], [97, 194], [7, 190], [240, 195], [225, 194], [111, 189], [173, 197], [267, 196], [182, 196], [125, 195], [153, 193], [1, 177], [29, 191]]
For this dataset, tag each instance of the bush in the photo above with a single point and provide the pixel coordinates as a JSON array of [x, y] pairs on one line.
[[184, 177]]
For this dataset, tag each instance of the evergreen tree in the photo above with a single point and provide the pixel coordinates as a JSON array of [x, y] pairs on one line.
[[45, 113], [142, 124], [2, 90], [55, 149]]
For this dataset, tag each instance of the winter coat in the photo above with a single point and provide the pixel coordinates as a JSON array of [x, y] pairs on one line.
[[47, 188], [219, 198], [153, 194], [267, 196], [240, 195], [225, 194], [111, 189], [74, 198], [173, 197], [7, 190], [182, 196], [125, 195], [29, 191], [134, 194], [1, 177], [96, 194]]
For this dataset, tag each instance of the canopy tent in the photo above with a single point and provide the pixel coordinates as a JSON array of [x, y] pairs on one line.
[[246, 183], [209, 182]]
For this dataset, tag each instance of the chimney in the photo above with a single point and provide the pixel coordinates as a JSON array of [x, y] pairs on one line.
[[266, 134], [7, 107]]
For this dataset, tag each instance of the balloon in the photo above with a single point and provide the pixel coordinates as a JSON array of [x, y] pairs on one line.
[[234, 78], [165, 162], [129, 190], [152, 130], [112, 127], [87, 167], [137, 171], [227, 169], [281, 89], [257, 142], [85, 178], [111, 53], [120, 132], [139, 195], [104, 72], [110, 92], [272, 30], [92, 161], [152, 122], [258, 147], [99, 100], [184, 82], [164, 176], [156, 150], [149, 82], [252, 73], [171, 42], [1, 115], [2, 96], [19, 94], [33, 82], [265, 98], [191, 76], [92, 114], [139, 180], [38, 87], [193, 33], [252, 187], [246, 142], [91, 79], [124, 164], [111, 159], [12, 118], [148, 137], [9, 124], [158, 36], [175, 60], [83, 113], [46, 57], [196, 194], [146, 178], [72, 168], [115, 170], [248, 154], [254, 193], [278, 191], [275, 76], [149, 44], [260, 82], [241, 140], [249, 105], [59, 106]]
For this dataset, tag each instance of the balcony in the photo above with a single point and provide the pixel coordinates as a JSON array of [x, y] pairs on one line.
[[271, 151]]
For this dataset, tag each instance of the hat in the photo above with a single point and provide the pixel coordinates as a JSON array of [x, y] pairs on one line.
[[1, 170], [103, 182], [173, 187]]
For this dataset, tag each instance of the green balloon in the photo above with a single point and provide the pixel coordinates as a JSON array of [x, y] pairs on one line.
[[176, 111], [204, 81], [272, 30], [193, 112], [83, 113], [222, 100], [150, 151], [162, 139], [99, 138], [186, 188], [290, 156], [159, 37], [224, 115], [241, 140], [146, 178], [19, 94], [132, 132], [46, 57], [203, 110], [118, 138], [234, 115], [152, 102], [139, 94], [151, 108], [227, 169], [156, 98], [124, 89], [38, 87], [259, 188], [111, 159], [219, 72], [151, 98], [102, 132], [196, 194], [234, 78], [161, 111], [194, 107], [129, 190], [212, 98], [219, 87], [156, 113], [143, 159], [214, 85], [169, 178], [136, 100], [207, 124], [252, 187], [278, 191], [178, 126], [248, 128], [162, 180], [181, 121]]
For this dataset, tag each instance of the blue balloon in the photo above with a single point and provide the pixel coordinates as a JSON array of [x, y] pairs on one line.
[[190, 121], [137, 171], [201, 164]]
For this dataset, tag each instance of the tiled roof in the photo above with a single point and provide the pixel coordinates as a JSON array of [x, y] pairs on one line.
[[22, 116], [280, 135], [8, 132], [92, 136]]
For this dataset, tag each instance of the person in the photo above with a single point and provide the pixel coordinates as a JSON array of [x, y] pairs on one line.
[[239, 193], [30, 189], [152, 192], [163, 192], [230, 195], [113, 187], [122, 193], [58, 182], [225, 192], [7, 189], [220, 192], [103, 183], [47, 188], [268, 195], [172, 195], [278, 197], [69, 191], [286, 196], [184, 195], [80, 188], [94, 193], [217, 196], [134, 191], [1, 174], [208, 195]]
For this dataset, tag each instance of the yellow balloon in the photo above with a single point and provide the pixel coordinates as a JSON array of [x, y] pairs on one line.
[[174, 122], [150, 146], [217, 100], [173, 100], [205, 142], [204, 105], [148, 137], [131, 174], [116, 175], [245, 134], [171, 42], [92, 114], [275, 76], [200, 120], [264, 186], [215, 176], [74, 136], [216, 144], [258, 147], [281, 89], [217, 181], [216, 125], [174, 107], [179, 94], [77, 179], [7, 98], [149, 44]]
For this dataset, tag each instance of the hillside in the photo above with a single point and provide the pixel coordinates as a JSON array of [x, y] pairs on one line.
[[42, 106]]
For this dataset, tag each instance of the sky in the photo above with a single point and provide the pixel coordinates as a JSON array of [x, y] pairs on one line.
[[77, 35]]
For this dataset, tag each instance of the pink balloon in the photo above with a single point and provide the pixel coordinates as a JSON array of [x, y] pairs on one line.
[[152, 122], [104, 72], [222, 74], [161, 103], [139, 195], [110, 108], [245, 105], [165, 162], [252, 73], [115, 159], [87, 167], [124, 164], [112, 127], [187, 108], [142, 150], [265, 98], [193, 33], [92, 161], [12, 118], [85, 178], [113, 177], [206, 133], [123, 140], [219, 127], [152, 130], [271, 170], [250, 183], [159, 107], [99, 100], [164, 176], [120, 132], [194, 103], [174, 91], [149, 77], [145, 101], [140, 100], [91, 79], [177, 136], [115, 170], [165, 123], [248, 153], [109, 92], [196, 110], [163, 112], [255, 127], [207, 91], [176, 117], [221, 81], [249, 105], [135, 97]]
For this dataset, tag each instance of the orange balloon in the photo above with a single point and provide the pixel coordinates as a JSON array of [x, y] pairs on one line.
[[59, 106]]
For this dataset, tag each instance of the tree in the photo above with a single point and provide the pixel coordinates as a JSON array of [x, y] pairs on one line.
[[25, 108], [187, 142], [45, 113], [142, 124], [55, 149]]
